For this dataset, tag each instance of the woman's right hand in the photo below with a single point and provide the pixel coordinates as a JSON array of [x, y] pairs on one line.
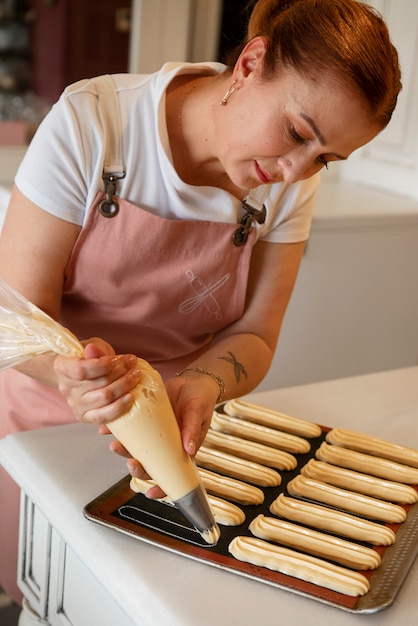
[[97, 387]]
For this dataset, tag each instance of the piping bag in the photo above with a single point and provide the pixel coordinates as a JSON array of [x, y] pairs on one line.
[[149, 430]]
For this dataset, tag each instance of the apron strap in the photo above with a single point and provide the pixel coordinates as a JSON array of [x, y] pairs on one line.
[[113, 166], [255, 209], [256, 198]]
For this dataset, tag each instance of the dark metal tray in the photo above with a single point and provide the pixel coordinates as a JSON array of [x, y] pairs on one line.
[[163, 525]]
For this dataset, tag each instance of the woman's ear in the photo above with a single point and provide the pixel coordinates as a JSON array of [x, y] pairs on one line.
[[251, 59]]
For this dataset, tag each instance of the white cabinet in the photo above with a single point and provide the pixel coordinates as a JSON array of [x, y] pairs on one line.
[[75, 597], [57, 584], [34, 555]]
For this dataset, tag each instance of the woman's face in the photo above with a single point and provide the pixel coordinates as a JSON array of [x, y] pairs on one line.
[[287, 128]]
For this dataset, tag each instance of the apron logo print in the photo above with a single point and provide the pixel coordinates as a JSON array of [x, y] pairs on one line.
[[204, 294]]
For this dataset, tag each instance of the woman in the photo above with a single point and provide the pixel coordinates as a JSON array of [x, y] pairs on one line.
[[185, 274]]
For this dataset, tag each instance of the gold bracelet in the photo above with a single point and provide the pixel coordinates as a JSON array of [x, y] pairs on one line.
[[216, 378]]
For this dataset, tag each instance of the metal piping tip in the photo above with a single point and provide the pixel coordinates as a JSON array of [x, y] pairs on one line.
[[195, 507]]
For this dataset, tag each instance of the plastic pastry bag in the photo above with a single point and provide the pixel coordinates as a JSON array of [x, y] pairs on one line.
[[26, 331]]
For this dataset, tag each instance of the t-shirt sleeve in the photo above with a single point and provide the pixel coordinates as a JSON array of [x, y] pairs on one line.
[[290, 210], [62, 168]]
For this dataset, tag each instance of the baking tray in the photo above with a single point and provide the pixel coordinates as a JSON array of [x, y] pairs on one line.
[[163, 525]]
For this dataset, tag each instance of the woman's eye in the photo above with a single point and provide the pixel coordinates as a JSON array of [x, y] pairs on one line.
[[295, 135], [302, 141]]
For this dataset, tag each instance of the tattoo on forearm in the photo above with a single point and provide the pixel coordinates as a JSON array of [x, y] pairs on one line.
[[239, 369]]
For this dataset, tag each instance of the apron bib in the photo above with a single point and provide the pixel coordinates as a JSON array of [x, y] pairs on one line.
[[156, 287]]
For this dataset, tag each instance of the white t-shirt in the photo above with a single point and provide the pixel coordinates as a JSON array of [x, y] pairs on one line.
[[62, 169]]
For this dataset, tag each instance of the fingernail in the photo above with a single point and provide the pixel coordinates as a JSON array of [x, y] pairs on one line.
[[131, 465], [132, 359], [136, 375], [191, 448]]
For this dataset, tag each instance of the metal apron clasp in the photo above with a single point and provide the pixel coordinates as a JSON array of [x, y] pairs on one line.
[[109, 206], [240, 236]]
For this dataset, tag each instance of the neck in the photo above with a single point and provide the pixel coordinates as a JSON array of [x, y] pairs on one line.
[[186, 128], [189, 110]]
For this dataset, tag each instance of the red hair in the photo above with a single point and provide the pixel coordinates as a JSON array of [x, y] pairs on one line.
[[347, 39]]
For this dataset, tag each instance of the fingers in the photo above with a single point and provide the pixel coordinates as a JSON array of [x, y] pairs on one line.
[[106, 367], [97, 347], [136, 470], [108, 402], [195, 426], [103, 430], [155, 493], [193, 405], [97, 388]]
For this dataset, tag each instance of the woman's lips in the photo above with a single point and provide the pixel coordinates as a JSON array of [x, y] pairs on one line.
[[262, 175]]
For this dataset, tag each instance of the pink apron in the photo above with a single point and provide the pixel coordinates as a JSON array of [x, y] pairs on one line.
[[150, 286]]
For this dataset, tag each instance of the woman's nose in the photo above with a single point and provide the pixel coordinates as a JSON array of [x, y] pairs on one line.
[[295, 167], [291, 171]]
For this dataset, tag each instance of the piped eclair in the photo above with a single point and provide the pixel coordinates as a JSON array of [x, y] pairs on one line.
[[271, 418], [349, 501], [366, 484], [322, 517], [358, 461], [373, 445], [225, 487], [262, 434], [250, 450], [313, 542], [302, 566], [238, 468]]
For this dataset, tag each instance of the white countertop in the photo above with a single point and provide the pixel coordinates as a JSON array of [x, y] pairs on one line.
[[66, 467], [342, 204]]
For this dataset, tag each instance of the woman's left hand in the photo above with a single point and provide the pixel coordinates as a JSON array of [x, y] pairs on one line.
[[193, 399], [193, 396]]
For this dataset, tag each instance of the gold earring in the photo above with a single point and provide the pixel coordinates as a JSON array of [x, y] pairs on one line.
[[228, 94]]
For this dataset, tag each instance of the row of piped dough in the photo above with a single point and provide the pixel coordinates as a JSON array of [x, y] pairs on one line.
[[371, 486]]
